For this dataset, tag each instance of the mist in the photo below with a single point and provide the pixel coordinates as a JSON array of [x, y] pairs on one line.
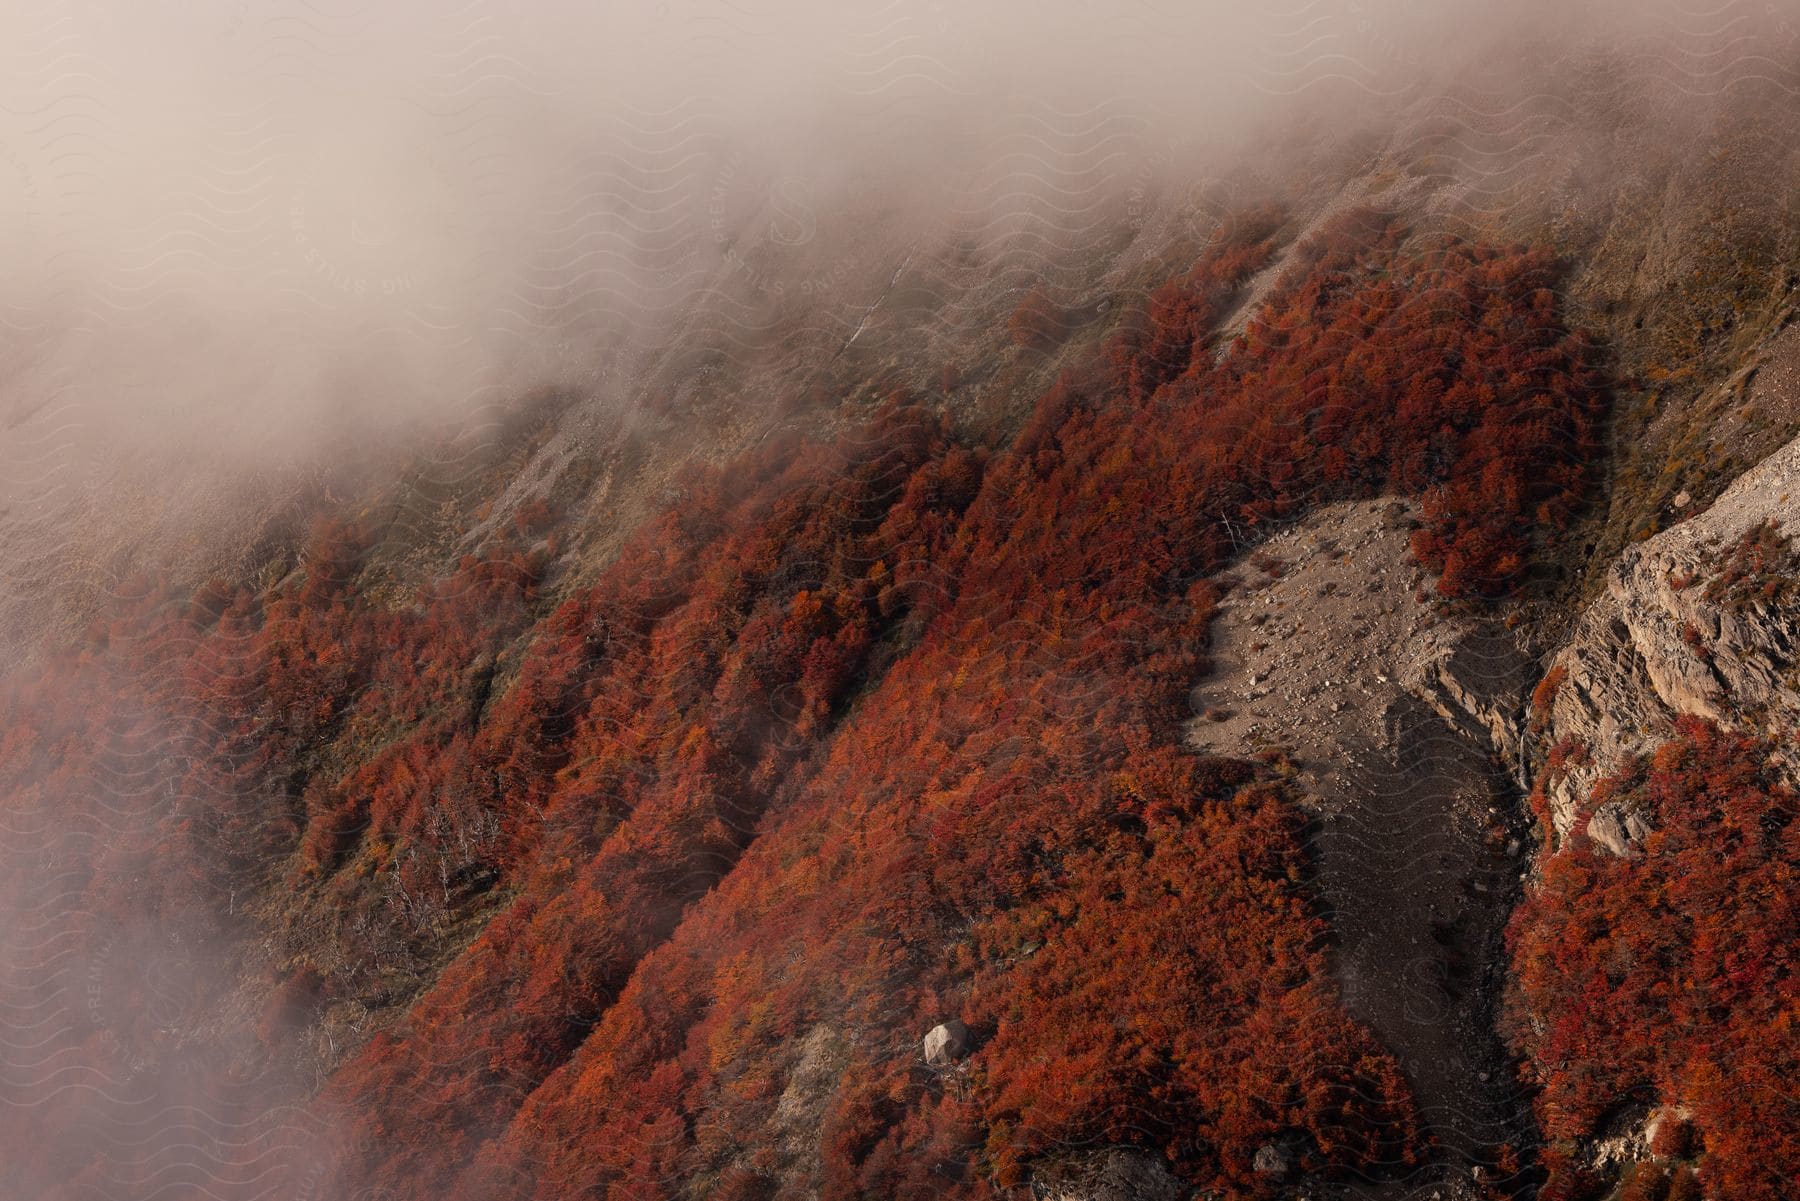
[[246, 228], [237, 239]]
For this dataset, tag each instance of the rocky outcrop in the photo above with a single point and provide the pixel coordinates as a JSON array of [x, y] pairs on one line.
[[1474, 677], [1616, 829], [1273, 1160], [1116, 1174], [1629, 1136], [946, 1043], [1692, 621], [790, 1152]]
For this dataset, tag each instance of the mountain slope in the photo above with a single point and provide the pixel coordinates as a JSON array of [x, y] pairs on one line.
[[1008, 772], [610, 801]]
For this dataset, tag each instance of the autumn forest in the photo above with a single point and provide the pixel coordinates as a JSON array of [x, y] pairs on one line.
[[648, 885]]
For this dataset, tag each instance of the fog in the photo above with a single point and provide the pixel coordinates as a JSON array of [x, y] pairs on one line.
[[241, 227], [235, 237]]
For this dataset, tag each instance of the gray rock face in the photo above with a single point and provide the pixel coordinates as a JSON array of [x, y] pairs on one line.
[[1655, 646], [1273, 1159], [1475, 678], [1117, 1174], [946, 1043], [1617, 830]]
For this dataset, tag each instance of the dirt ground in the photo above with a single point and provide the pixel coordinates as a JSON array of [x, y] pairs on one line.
[[1324, 648]]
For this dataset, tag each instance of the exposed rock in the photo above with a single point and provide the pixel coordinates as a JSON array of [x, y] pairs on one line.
[[1116, 1174], [1349, 570], [946, 1043], [1273, 1159], [1391, 716], [1617, 830], [1475, 678], [1656, 646], [1622, 1139], [792, 1151]]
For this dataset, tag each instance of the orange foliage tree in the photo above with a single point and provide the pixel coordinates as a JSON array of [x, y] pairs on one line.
[[859, 735], [1672, 976]]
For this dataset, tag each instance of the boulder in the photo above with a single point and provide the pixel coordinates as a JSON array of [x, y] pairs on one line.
[[1273, 1160], [946, 1043], [1617, 830]]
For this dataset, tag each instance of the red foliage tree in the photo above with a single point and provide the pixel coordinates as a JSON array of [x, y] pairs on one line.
[[858, 734], [1675, 971]]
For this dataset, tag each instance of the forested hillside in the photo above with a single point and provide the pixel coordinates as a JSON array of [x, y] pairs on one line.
[[860, 736], [1094, 650]]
